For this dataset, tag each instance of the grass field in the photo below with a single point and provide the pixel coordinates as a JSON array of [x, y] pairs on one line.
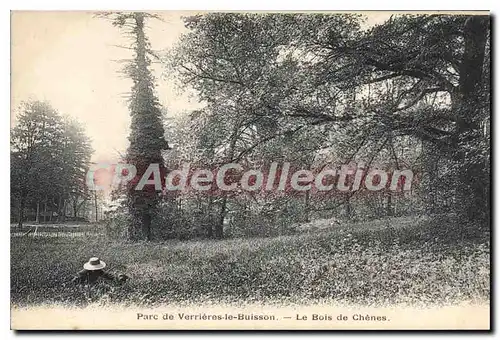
[[413, 261]]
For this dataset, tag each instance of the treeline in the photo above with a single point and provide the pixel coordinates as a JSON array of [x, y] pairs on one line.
[[50, 155], [308, 89], [311, 89]]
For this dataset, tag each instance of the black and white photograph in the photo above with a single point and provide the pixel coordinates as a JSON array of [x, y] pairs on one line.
[[250, 170]]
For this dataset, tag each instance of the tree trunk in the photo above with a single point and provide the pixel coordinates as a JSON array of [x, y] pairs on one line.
[[60, 209], [389, 207], [37, 217], [85, 210], [96, 207], [307, 207], [348, 206], [210, 229], [45, 210], [430, 160], [79, 207], [21, 211], [63, 216], [132, 230], [75, 207], [219, 227], [146, 226], [471, 193]]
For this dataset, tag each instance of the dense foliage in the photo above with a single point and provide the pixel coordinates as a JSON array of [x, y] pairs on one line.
[[50, 156], [412, 92]]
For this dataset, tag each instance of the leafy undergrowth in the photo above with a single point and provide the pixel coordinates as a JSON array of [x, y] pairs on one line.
[[411, 261]]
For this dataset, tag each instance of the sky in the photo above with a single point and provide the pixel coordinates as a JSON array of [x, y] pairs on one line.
[[70, 60]]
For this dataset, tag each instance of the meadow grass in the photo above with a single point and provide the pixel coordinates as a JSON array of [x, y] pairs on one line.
[[399, 260]]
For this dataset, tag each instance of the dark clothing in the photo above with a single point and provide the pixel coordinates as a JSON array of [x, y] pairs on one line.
[[92, 276]]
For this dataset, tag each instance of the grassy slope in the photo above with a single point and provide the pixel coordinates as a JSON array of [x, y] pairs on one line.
[[383, 262]]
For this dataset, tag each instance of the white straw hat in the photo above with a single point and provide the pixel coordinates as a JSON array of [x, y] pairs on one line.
[[94, 264]]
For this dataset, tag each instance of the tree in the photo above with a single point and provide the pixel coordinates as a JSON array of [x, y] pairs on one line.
[[49, 158], [75, 159], [249, 69], [424, 77], [146, 137], [34, 149], [427, 56]]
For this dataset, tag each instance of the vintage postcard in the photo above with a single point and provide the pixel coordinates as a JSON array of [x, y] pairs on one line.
[[250, 170]]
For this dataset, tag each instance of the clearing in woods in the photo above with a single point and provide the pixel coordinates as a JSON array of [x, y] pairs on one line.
[[397, 260]]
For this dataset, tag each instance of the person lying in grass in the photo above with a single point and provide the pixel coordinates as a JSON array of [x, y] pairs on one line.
[[93, 271]]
